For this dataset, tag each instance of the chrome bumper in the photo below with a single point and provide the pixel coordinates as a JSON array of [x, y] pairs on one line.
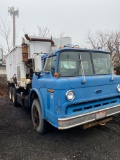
[[69, 122]]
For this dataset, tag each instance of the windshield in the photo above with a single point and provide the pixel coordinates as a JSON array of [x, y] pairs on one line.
[[102, 63], [74, 63]]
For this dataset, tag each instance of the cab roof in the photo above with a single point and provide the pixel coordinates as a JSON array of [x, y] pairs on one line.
[[76, 49]]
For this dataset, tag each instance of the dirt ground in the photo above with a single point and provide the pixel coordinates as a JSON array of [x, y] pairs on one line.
[[19, 141], [3, 86]]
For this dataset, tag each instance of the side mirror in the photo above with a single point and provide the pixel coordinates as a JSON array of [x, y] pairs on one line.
[[37, 63]]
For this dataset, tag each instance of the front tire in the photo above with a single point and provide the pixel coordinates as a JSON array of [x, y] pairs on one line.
[[39, 123]]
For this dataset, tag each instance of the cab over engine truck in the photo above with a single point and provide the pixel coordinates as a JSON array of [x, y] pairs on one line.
[[62, 84]]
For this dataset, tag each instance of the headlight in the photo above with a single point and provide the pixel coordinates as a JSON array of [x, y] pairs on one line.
[[118, 87], [70, 95]]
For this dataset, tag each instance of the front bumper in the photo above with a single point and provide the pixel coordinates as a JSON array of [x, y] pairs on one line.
[[69, 122]]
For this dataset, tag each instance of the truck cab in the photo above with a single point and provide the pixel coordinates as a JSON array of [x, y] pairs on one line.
[[76, 87]]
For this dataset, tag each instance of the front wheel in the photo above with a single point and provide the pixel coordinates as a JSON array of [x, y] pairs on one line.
[[39, 123]]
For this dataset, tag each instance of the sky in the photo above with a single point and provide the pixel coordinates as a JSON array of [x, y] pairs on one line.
[[74, 18]]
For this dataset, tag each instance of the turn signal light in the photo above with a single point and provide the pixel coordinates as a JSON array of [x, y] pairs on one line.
[[56, 75], [50, 90]]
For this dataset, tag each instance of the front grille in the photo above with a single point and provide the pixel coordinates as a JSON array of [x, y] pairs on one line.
[[92, 105]]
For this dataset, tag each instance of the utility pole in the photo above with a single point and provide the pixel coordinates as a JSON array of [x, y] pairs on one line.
[[13, 13]]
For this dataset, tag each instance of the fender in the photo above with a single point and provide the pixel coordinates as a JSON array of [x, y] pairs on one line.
[[40, 100]]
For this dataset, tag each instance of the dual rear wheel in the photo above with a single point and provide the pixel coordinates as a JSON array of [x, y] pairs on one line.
[[40, 125], [13, 95]]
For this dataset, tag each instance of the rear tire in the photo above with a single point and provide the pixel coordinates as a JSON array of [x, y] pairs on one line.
[[14, 97], [10, 93], [39, 123]]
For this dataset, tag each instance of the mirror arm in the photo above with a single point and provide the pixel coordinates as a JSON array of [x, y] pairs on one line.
[[38, 74]]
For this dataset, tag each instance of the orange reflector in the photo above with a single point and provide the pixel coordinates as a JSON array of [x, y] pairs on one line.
[[56, 75], [50, 90], [60, 47]]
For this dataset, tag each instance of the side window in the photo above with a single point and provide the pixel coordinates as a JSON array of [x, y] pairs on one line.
[[50, 64]]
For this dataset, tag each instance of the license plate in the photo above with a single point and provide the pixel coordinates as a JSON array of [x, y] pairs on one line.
[[100, 115]]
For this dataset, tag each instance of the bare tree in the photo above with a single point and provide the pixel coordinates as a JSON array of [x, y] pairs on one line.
[[5, 33], [43, 32], [61, 35], [107, 41]]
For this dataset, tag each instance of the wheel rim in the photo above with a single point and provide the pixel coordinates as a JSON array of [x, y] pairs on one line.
[[13, 99], [36, 118], [10, 94]]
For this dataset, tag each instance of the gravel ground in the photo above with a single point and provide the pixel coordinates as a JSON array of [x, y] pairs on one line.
[[19, 141]]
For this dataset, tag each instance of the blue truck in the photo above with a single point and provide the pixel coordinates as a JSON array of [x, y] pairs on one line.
[[67, 87]]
